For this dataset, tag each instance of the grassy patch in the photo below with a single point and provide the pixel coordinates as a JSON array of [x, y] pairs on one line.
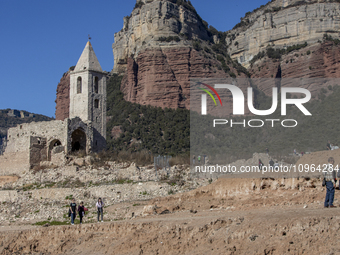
[[52, 223]]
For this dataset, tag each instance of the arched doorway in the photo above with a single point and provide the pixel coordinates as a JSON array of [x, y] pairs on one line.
[[78, 140], [54, 143]]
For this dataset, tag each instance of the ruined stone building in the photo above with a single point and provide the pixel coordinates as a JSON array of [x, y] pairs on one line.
[[35, 143]]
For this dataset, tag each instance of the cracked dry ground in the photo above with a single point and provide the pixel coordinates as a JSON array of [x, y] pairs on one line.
[[230, 216]]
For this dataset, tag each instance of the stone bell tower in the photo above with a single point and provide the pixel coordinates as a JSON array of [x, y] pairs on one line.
[[88, 95]]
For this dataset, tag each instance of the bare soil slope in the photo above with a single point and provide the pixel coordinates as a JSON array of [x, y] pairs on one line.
[[230, 216], [320, 157]]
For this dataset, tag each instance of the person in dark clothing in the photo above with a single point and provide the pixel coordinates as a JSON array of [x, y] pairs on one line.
[[73, 208], [267, 151], [260, 164], [81, 211], [329, 145], [271, 163]]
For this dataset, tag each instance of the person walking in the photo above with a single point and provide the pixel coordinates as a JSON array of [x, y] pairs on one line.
[[73, 208], [100, 206], [81, 211], [260, 164], [330, 180]]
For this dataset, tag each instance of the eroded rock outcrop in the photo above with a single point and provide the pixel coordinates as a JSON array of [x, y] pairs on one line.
[[150, 20], [156, 52], [283, 23], [321, 60], [161, 76], [63, 98]]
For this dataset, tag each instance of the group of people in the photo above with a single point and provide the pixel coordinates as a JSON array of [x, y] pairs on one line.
[[82, 209], [272, 164], [331, 147]]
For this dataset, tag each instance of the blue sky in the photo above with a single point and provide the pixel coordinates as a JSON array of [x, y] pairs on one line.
[[41, 39]]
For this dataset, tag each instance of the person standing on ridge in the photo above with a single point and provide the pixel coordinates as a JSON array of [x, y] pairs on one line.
[[329, 145], [330, 180], [260, 164], [73, 209], [100, 206], [81, 211]]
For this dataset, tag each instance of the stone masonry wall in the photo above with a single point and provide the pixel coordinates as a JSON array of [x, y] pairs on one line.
[[29, 144], [19, 137]]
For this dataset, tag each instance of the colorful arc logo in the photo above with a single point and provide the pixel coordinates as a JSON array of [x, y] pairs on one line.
[[208, 92]]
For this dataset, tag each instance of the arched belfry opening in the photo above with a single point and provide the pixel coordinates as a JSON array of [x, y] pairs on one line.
[[78, 140], [79, 85], [96, 85]]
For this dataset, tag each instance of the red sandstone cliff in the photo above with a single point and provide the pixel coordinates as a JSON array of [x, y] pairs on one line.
[[163, 44], [161, 76], [321, 60], [63, 98]]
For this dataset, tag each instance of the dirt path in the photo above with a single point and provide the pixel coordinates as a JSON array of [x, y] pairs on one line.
[[238, 216], [258, 231]]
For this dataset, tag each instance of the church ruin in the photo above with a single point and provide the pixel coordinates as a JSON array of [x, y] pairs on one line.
[[37, 143]]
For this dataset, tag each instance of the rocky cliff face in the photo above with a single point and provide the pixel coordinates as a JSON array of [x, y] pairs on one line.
[[63, 98], [283, 23], [161, 76], [162, 45], [150, 20], [321, 60]]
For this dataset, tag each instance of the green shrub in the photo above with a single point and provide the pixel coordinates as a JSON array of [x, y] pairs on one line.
[[206, 49], [197, 45], [156, 130], [169, 39], [327, 37], [243, 23], [53, 223], [232, 75], [70, 197]]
